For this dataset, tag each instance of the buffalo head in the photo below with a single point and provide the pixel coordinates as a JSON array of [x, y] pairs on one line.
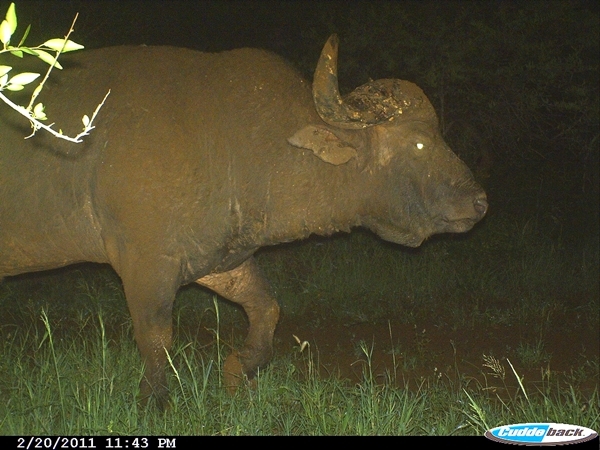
[[417, 185]]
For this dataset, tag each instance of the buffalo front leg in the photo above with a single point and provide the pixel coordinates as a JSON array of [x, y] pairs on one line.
[[150, 292], [247, 286]]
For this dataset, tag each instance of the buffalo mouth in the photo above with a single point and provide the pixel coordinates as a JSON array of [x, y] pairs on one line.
[[416, 236], [466, 220], [415, 232], [457, 225], [396, 235]]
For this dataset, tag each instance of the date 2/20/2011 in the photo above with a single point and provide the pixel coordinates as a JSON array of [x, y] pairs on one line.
[[99, 443]]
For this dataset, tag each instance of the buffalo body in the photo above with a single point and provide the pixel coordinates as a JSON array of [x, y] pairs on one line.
[[198, 160]]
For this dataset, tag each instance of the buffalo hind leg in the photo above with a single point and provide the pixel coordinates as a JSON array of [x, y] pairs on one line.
[[246, 286]]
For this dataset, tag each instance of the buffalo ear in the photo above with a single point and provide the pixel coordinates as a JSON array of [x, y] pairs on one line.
[[324, 144]]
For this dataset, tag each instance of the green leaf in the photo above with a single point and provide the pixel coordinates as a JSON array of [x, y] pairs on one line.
[[17, 53], [14, 87], [5, 32], [24, 78], [3, 81], [24, 35], [57, 45], [11, 18], [38, 112], [28, 51], [47, 58], [4, 70]]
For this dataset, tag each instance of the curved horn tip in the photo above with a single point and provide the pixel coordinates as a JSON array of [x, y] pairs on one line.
[[333, 41]]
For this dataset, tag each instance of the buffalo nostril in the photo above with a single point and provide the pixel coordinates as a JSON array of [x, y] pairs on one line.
[[481, 206]]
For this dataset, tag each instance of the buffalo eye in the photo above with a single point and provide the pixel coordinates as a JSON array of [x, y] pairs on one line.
[[421, 147]]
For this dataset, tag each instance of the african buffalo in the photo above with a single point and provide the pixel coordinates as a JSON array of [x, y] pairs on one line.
[[199, 159]]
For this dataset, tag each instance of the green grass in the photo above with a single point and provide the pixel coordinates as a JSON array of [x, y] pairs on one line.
[[81, 386]]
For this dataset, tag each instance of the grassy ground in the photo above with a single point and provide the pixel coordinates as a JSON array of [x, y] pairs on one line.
[[86, 385], [456, 337]]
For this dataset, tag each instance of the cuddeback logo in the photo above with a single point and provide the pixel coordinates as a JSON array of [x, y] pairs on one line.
[[541, 434]]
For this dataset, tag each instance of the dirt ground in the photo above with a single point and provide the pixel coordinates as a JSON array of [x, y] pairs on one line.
[[406, 354]]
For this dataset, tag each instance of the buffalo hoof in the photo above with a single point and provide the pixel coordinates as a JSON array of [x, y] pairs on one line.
[[159, 401], [234, 375]]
